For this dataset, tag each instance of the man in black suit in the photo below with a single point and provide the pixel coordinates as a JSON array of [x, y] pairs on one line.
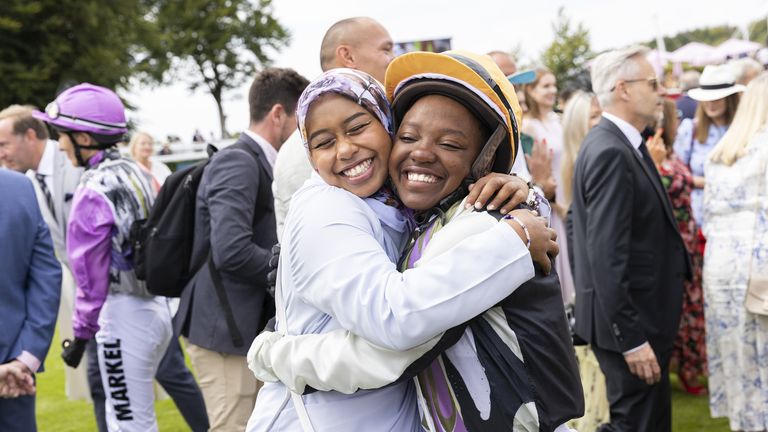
[[234, 233], [627, 255]]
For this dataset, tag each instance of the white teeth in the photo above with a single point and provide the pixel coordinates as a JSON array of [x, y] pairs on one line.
[[359, 168], [424, 178]]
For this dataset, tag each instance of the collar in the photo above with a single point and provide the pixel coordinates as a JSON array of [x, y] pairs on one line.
[[269, 151], [95, 159], [45, 167], [629, 131]]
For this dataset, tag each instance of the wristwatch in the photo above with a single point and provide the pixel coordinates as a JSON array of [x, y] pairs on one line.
[[532, 199]]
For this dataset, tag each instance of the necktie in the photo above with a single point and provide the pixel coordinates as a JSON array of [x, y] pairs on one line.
[[647, 158], [48, 198]]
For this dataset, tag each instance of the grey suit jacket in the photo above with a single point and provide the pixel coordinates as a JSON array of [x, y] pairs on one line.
[[627, 256], [65, 179], [234, 214]]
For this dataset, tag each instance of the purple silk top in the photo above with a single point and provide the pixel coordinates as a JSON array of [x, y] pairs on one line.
[[89, 236]]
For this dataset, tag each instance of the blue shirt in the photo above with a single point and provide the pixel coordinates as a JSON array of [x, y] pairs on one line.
[[695, 155]]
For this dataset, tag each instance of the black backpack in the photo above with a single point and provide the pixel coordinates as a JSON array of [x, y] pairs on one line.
[[162, 243]]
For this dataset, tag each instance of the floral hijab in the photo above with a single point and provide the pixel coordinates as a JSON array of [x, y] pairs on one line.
[[355, 85], [364, 90]]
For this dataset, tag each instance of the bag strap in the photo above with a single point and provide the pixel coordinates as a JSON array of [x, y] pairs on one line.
[[221, 293], [298, 402]]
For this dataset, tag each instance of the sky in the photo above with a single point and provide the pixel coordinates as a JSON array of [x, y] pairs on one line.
[[474, 25]]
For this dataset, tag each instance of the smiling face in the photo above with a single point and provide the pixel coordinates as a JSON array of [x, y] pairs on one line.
[[348, 146], [545, 92], [435, 145]]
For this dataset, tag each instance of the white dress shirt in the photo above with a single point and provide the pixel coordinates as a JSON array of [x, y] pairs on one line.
[[629, 131], [270, 152], [45, 167], [292, 169]]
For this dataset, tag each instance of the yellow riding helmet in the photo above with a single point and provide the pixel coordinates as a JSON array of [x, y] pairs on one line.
[[474, 81]]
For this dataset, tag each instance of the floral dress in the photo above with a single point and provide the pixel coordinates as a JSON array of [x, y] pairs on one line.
[[736, 227], [690, 347]]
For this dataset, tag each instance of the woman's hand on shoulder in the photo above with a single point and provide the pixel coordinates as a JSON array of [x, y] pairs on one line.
[[504, 191], [541, 239]]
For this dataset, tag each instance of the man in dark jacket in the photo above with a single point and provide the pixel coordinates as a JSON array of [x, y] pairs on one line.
[[627, 255], [234, 233]]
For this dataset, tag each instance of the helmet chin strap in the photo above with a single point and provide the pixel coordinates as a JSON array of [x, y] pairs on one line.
[[82, 162]]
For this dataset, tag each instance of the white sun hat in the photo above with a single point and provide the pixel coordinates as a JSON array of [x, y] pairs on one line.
[[716, 82]]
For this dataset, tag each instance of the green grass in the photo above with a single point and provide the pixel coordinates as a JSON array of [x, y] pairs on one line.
[[56, 413], [691, 413]]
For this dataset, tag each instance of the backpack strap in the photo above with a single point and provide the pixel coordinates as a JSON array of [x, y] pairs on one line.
[[221, 293]]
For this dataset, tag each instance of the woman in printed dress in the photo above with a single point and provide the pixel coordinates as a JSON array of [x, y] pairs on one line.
[[736, 228], [690, 352]]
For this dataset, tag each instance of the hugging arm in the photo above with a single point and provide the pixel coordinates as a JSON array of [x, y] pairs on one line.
[[349, 362], [397, 310]]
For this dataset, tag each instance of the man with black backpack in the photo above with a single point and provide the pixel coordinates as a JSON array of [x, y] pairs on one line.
[[225, 304]]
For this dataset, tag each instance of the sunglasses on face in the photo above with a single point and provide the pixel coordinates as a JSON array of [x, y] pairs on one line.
[[653, 82]]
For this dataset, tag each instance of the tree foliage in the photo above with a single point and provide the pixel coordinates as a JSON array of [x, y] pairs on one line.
[[758, 31], [567, 55], [707, 35], [217, 44], [46, 45]]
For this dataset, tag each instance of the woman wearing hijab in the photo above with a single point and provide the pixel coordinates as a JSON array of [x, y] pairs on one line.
[[342, 236]]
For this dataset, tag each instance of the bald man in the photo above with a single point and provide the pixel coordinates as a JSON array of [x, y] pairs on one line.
[[504, 61], [357, 43]]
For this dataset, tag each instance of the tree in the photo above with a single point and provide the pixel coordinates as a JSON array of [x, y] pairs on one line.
[[221, 42], [758, 30], [46, 45], [707, 35], [567, 55]]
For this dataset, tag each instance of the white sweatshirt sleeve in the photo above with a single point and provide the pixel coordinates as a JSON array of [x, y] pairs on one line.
[[338, 266]]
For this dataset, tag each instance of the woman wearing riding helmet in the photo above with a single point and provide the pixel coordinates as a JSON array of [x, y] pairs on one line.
[[512, 368], [342, 236], [132, 327]]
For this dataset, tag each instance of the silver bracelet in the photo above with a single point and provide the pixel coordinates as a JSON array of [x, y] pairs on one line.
[[525, 229]]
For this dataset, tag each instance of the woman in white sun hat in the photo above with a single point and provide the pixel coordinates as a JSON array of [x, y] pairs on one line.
[[718, 96]]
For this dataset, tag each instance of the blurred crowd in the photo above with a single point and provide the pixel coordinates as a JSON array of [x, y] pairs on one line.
[[656, 197]]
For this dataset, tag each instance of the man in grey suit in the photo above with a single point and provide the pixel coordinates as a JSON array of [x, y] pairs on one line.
[[627, 256], [226, 304], [30, 278], [29, 150]]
